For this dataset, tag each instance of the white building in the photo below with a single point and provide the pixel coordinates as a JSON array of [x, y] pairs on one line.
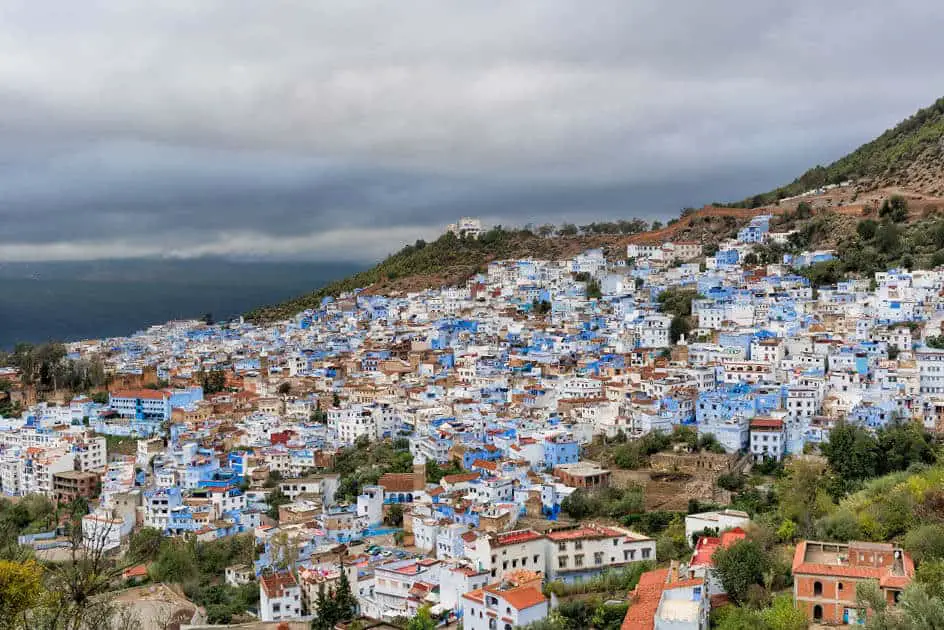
[[506, 552], [576, 554], [466, 226], [720, 521], [504, 606], [280, 597]]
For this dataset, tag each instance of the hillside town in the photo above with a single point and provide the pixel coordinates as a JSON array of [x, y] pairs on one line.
[[428, 449]]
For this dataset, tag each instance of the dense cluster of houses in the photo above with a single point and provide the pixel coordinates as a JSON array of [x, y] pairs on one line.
[[509, 376]]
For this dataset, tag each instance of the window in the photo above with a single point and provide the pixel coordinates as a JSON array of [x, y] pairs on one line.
[[578, 545], [535, 558], [645, 554], [562, 562], [817, 588], [598, 558], [578, 560], [562, 546]]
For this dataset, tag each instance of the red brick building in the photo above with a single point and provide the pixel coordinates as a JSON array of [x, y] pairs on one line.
[[825, 576]]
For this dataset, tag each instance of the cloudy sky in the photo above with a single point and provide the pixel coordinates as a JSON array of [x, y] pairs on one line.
[[340, 130]]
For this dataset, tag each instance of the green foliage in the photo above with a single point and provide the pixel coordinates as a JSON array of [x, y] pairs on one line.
[[212, 382], [731, 481], [607, 583], [145, 544], [362, 464], [338, 604], [741, 566], [275, 499], [917, 608], [930, 574], [610, 502], [435, 472], [678, 327], [677, 301], [394, 516], [593, 289], [422, 620], [780, 615], [672, 544], [199, 567], [894, 208], [635, 454], [854, 454], [877, 158], [47, 369], [925, 542], [935, 341], [454, 258]]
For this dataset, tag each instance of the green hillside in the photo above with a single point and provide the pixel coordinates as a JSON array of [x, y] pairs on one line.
[[897, 157], [448, 260]]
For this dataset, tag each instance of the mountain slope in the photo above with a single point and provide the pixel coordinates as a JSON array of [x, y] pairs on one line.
[[909, 156], [447, 260], [907, 160]]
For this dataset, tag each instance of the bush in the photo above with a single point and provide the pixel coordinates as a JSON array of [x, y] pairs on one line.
[[731, 481]]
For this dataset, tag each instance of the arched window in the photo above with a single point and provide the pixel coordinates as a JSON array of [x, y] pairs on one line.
[[817, 612], [817, 588], [839, 587]]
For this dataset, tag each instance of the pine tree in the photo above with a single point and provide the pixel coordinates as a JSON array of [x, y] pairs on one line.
[[345, 599]]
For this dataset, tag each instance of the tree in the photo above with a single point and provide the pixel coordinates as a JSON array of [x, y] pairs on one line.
[[741, 566], [395, 515], [20, 590], [802, 493], [678, 327], [284, 388], [930, 574], [751, 260], [852, 452], [903, 444], [145, 544], [925, 543], [345, 599], [422, 621], [275, 499], [894, 208], [327, 610]]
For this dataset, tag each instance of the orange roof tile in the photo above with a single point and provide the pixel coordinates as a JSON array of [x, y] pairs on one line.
[[642, 613]]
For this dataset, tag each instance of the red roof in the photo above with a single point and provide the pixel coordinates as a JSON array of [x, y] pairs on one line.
[[275, 584], [886, 575], [516, 537], [522, 597], [642, 613], [143, 394], [767, 423], [587, 532]]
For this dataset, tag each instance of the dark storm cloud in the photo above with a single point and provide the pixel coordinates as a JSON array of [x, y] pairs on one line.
[[342, 129]]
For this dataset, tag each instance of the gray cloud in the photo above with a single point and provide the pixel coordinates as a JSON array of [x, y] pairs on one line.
[[340, 130]]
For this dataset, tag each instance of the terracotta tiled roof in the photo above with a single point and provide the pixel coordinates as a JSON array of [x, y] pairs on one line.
[[523, 597], [143, 394], [642, 613], [275, 584], [460, 477], [396, 482]]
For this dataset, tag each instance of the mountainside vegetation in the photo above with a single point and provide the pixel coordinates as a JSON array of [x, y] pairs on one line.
[[451, 260], [888, 216], [910, 155]]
